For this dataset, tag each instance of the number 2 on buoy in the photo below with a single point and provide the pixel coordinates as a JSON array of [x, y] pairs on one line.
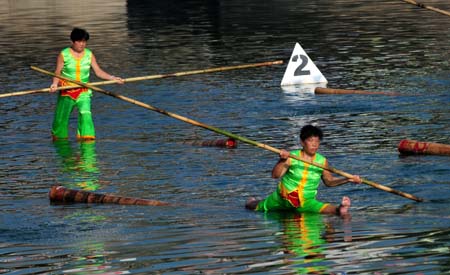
[[301, 66]]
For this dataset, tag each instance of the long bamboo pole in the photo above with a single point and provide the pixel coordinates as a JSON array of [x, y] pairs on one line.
[[320, 90], [420, 5], [231, 135], [150, 77]]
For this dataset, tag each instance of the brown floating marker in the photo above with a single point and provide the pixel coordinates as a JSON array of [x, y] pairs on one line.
[[227, 143], [413, 147], [59, 194], [320, 90]]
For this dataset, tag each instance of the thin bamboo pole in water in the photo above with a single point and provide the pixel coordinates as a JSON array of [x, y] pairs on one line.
[[150, 77]]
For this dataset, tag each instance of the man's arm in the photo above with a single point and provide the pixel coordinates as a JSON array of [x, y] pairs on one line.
[[282, 165], [332, 181]]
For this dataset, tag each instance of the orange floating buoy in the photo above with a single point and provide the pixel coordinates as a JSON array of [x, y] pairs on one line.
[[60, 194], [227, 143], [413, 147]]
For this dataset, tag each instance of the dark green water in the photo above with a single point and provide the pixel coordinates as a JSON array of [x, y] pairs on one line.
[[379, 46]]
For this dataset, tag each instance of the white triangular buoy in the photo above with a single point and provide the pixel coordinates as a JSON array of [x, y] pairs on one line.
[[301, 69]]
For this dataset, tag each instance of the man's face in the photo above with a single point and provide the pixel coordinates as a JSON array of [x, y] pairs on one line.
[[79, 45], [311, 145]]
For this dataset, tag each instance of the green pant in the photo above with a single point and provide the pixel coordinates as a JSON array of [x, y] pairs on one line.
[[64, 107], [275, 202]]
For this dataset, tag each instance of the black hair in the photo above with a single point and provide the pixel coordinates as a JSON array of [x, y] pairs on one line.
[[78, 34], [310, 131]]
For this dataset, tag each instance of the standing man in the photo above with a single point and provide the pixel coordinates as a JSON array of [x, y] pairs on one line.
[[75, 62]]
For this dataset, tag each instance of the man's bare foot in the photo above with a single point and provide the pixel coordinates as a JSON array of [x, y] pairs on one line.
[[344, 208], [251, 203]]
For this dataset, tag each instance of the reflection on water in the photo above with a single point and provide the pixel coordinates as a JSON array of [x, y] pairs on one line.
[[79, 167], [356, 45], [302, 89], [304, 236], [94, 260]]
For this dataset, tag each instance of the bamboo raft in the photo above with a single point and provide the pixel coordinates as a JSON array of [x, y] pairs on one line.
[[60, 194]]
